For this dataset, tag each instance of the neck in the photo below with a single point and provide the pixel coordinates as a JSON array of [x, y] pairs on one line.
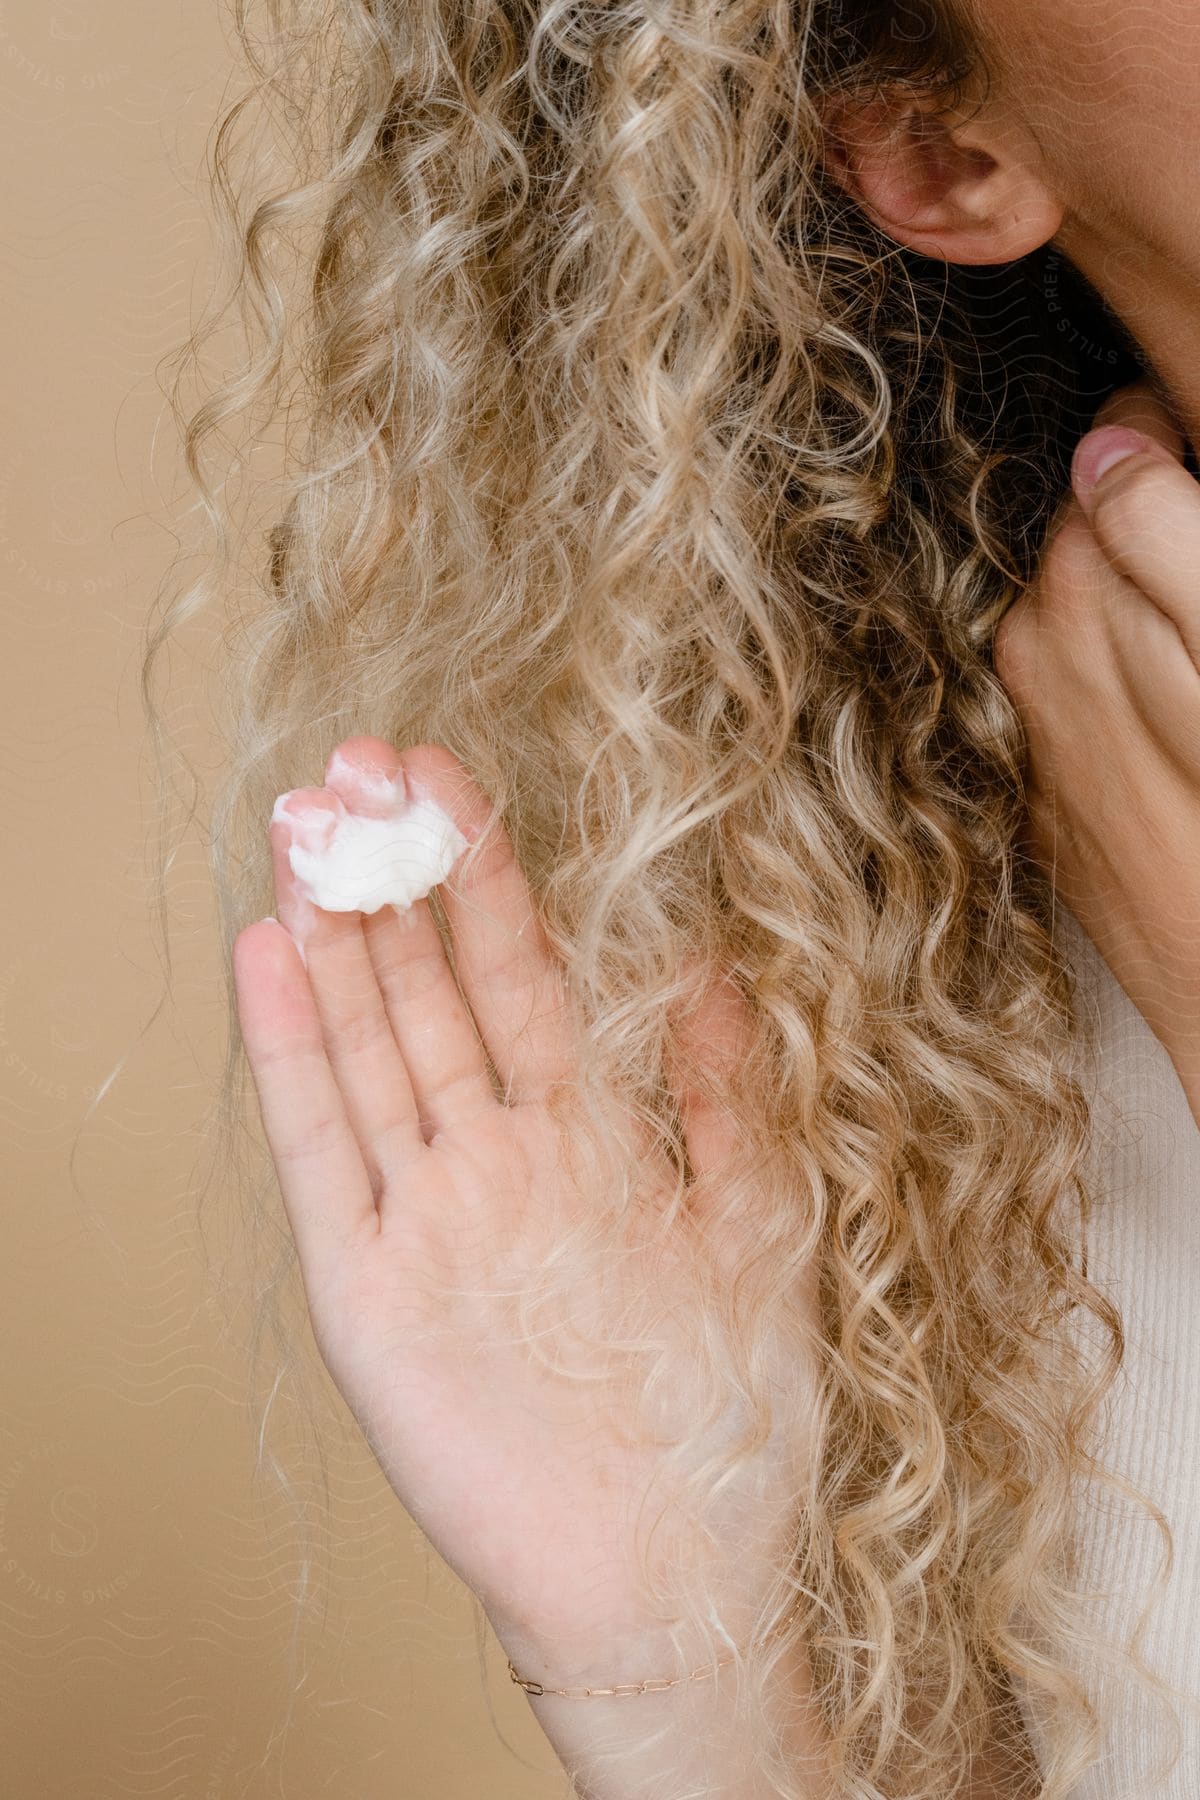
[[1158, 302]]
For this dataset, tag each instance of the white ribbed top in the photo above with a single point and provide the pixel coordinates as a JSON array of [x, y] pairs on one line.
[[1144, 1252]]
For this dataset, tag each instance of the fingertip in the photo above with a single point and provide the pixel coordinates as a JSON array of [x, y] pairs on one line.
[[1102, 450], [1098, 452], [363, 754], [266, 933], [281, 932], [249, 934], [433, 773], [367, 775]]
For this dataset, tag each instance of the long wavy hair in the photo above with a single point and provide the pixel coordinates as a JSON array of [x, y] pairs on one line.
[[641, 471]]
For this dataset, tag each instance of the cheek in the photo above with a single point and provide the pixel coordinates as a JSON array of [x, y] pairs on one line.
[[1112, 91]]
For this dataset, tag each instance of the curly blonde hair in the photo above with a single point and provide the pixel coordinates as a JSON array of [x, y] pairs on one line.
[[645, 475]]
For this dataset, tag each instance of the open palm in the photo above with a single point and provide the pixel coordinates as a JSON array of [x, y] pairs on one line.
[[419, 1197]]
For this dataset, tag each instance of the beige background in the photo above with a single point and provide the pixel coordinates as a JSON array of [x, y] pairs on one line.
[[146, 1571]]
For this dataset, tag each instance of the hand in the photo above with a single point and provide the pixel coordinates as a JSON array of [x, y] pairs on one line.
[[414, 1189], [1101, 656]]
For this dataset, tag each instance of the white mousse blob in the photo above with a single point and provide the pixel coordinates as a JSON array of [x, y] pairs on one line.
[[345, 861]]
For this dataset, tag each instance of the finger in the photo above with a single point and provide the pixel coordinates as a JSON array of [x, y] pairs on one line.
[[513, 983], [1094, 653], [711, 1036], [1162, 680], [1142, 409], [1139, 407], [1144, 511], [362, 1052], [324, 1182], [428, 1017], [709, 1039]]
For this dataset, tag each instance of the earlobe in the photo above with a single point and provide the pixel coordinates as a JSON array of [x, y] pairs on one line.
[[960, 194]]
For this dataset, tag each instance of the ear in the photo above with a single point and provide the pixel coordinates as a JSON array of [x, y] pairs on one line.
[[969, 192]]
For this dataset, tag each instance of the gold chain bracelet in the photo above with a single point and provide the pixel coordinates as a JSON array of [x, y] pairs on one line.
[[629, 1687], [637, 1687]]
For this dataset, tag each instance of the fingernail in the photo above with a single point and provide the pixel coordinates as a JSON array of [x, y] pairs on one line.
[[1101, 450]]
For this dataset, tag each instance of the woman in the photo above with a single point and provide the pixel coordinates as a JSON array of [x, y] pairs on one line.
[[686, 1191]]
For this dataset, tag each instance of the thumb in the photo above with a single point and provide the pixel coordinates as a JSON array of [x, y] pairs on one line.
[[1142, 505], [1135, 421]]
